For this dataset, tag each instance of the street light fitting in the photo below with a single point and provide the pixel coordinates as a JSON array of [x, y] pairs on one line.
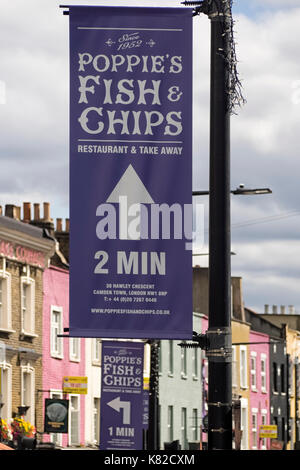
[[241, 190], [250, 192]]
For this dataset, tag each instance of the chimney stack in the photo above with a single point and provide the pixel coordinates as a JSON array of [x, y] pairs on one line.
[[59, 225], [46, 222], [291, 309], [67, 225], [282, 309], [47, 212], [0, 210], [266, 308], [26, 212], [11, 211], [274, 309], [36, 211]]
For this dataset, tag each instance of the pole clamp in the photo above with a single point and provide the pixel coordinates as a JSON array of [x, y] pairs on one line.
[[219, 344]]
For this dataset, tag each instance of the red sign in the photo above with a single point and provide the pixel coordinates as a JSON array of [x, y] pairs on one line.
[[276, 445], [22, 254]]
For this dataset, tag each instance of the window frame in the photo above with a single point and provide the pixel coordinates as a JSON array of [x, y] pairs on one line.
[[253, 371], [27, 369], [243, 368], [28, 310], [254, 429], [263, 373], [74, 356], [59, 352], [6, 312]]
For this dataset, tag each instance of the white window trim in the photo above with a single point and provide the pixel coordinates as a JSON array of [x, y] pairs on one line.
[[263, 358], [244, 405], [234, 368], [70, 413], [96, 361], [184, 362], [53, 353], [254, 412], [74, 357], [31, 283], [253, 372], [196, 361], [6, 276], [28, 369], [170, 358], [243, 376], [264, 413], [58, 394], [170, 422], [6, 366]]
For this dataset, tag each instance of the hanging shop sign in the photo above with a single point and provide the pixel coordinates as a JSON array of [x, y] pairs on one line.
[[56, 415], [122, 396], [130, 172], [268, 431], [77, 385]]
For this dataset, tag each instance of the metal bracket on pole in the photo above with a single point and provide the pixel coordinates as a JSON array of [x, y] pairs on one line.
[[219, 344]]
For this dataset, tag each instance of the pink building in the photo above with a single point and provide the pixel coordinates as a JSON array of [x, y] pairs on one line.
[[259, 409], [61, 356]]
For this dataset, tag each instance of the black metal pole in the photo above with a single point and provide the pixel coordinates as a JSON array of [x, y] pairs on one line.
[[219, 331], [153, 428]]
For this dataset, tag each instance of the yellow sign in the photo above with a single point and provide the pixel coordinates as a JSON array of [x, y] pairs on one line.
[[77, 385], [268, 431], [146, 383]]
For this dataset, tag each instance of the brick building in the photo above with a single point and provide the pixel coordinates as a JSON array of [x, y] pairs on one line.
[[25, 251]]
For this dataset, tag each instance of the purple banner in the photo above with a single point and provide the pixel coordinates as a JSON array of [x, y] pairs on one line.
[[122, 396], [131, 172]]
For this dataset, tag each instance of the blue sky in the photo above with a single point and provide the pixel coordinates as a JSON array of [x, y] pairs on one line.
[[264, 135]]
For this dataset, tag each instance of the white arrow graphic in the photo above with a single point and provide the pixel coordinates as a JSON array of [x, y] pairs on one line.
[[117, 405], [130, 192]]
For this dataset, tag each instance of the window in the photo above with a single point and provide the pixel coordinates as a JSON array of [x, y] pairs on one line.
[[183, 362], [56, 345], [244, 423], [282, 378], [234, 367], [74, 417], [183, 429], [171, 358], [283, 429], [170, 424], [264, 422], [195, 364], [253, 370], [243, 367], [254, 428], [74, 349], [27, 391], [28, 305], [6, 381], [263, 372], [96, 420], [96, 351], [195, 424], [275, 384], [5, 300]]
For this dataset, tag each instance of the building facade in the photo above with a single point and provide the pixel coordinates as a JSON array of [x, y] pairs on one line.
[[180, 392], [259, 382], [24, 256], [62, 356]]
